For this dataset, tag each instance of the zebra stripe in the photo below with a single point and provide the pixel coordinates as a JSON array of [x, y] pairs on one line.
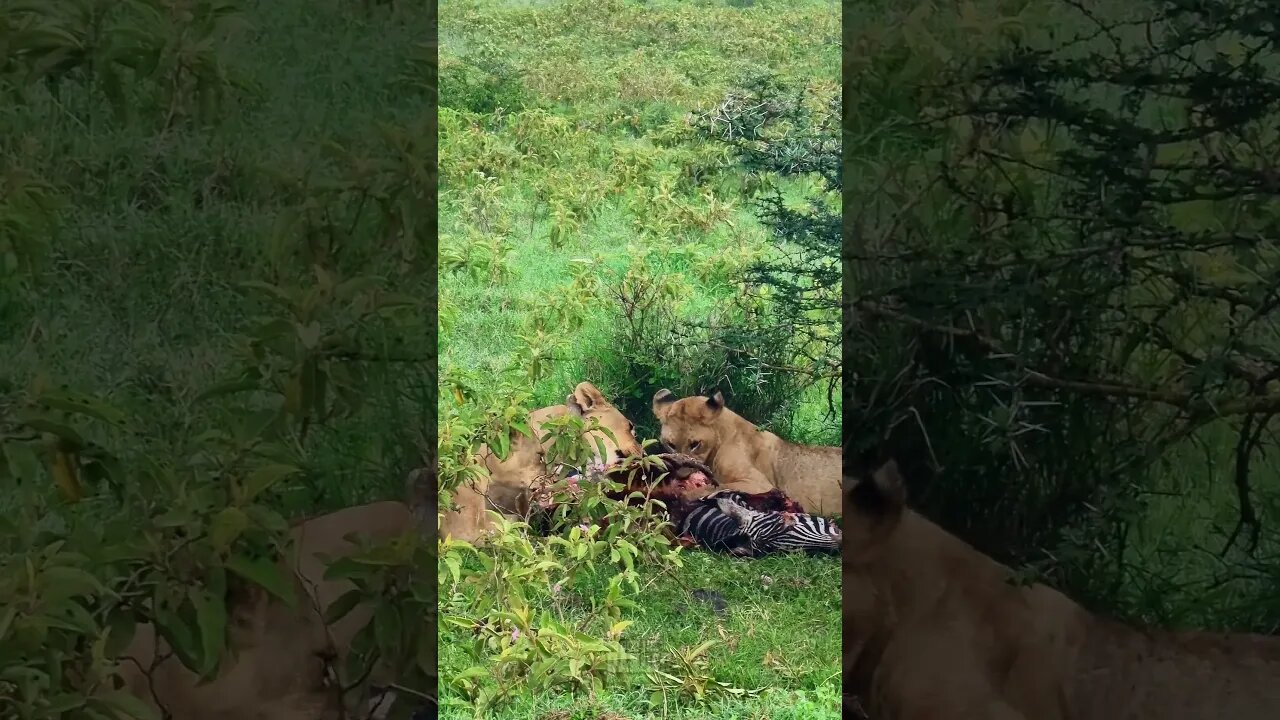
[[714, 529], [722, 521]]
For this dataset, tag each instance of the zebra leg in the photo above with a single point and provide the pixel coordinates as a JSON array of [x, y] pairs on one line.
[[740, 514]]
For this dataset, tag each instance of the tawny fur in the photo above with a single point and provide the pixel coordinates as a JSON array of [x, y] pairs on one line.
[[275, 669], [934, 629], [746, 458], [507, 488]]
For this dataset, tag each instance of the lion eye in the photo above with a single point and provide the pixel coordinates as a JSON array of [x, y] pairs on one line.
[[695, 444]]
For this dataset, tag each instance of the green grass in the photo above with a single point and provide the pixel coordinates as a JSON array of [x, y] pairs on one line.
[[566, 161], [133, 292], [777, 636], [137, 296], [771, 704], [611, 152], [1191, 510]]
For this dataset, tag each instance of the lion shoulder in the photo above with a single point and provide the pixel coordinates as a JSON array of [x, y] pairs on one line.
[[808, 460]]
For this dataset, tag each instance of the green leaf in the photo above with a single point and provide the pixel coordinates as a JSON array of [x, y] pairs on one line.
[[267, 518], [226, 527], [63, 582], [502, 445], [178, 634], [271, 331], [276, 293], [316, 399], [387, 630], [24, 463], [121, 626], [355, 286], [455, 567], [6, 620], [387, 301], [57, 429], [343, 605], [293, 395], [265, 574], [175, 517], [310, 334], [80, 405], [700, 650], [62, 703], [211, 621], [70, 615], [266, 476], [228, 387]]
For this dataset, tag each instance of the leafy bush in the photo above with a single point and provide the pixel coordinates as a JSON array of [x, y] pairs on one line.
[[146, 491], [588, 190], [778, 334], [161, 55], [480, 83], [153, 539], [1070, 284]]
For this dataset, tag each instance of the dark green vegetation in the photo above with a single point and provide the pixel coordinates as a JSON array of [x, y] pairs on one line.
[[576, 188], [1065, 281], [196, 196], [129, 286], [596, 225]]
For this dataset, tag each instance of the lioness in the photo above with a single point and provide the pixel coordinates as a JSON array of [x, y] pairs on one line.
[[278, 665], [507, 488], [746, 458], [285, 663], [934, 629]]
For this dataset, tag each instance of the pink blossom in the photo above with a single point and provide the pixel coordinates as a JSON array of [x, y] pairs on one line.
[[584, 528], [555, 589], [515, 634]]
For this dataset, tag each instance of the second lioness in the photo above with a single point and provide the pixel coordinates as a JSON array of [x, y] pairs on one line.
[[507, 488], [746, 458]]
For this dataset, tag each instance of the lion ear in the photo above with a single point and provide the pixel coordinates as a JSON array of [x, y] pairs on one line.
[[883, 494], [715, 403], [588, 395], [575, 409], [662, 401]]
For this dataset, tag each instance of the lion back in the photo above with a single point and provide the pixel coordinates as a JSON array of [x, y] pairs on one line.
[[811, 475]]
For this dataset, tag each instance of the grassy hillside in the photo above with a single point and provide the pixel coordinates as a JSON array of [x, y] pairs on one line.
[[195, 192], [566, 159], [133, 287], [569, 168]]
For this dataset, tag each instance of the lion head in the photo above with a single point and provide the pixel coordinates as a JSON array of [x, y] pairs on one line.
[[589, 403], [689, 425], [616, 435], [280, 663], [874, 502]]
